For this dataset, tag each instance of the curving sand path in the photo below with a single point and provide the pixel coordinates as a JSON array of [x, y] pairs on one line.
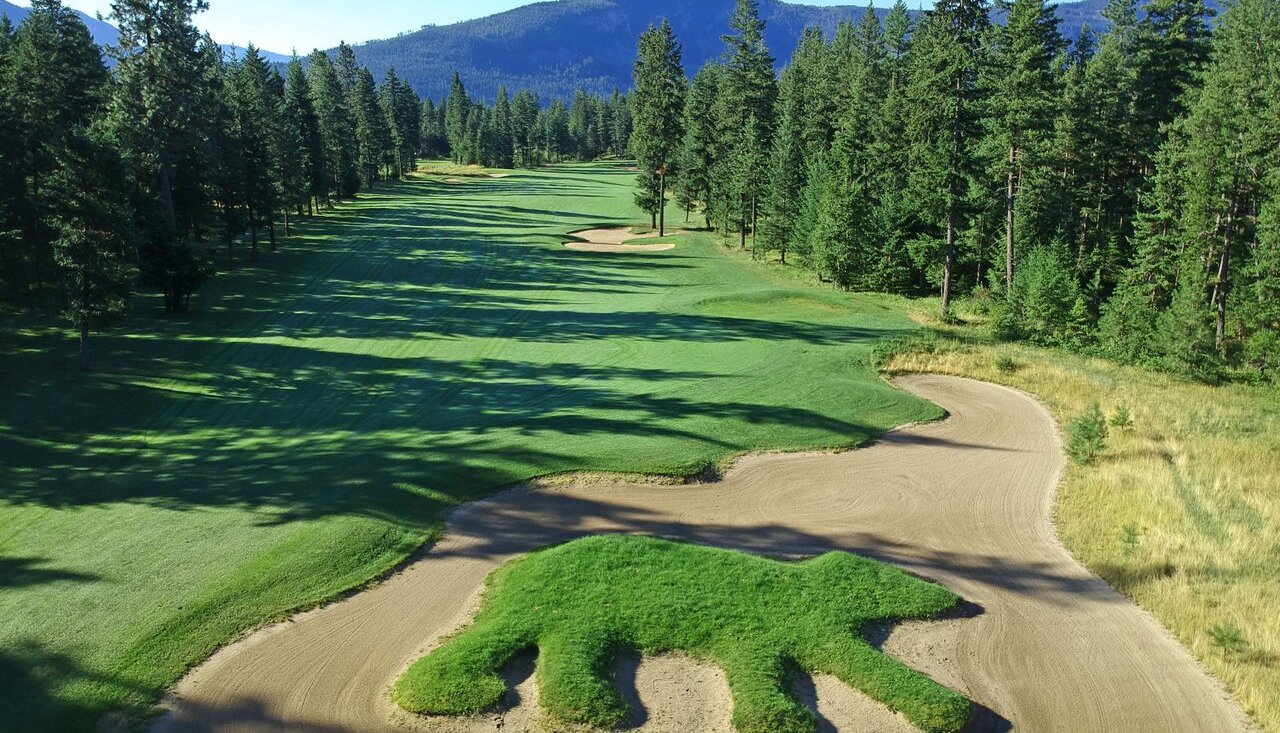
[[615, 240], [1043, 646]]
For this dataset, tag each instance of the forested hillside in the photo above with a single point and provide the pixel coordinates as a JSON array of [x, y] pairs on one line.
[[560, 47], [1117, 195], [104, 34]]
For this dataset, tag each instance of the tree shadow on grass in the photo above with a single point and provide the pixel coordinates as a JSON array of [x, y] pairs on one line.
[[17, 572], [36, 693]]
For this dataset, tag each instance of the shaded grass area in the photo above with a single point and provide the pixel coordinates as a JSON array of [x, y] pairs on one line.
[[309, 426], [1181, 512], [584, 603]]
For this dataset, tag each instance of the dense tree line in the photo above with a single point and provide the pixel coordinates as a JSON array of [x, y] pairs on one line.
[[133, 177], [1119, 194], [520, 132]]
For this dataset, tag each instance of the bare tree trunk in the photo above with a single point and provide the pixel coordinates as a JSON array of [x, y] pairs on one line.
[[662, 205], [950, 260], [1223, 286], [84, 345], [166, 188], [1009, 203], [287, 233], [271, 222], [253, 228], [755, 220]]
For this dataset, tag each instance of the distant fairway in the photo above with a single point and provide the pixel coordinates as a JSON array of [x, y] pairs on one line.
[[318, 416]]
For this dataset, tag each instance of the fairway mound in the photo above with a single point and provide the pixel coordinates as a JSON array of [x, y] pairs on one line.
[[966, 503], [619, 239]]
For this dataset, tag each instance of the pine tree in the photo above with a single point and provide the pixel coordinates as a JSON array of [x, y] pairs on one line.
[[814, 80], [622, 123], [306, 179], [554, 130], [372, 137], [812, 199], [156, 114], [457, 107], [255, 126], [1171, 48], [749, 164], [699, 148], [395, 158], [944, 130], [657, 106], [94, 233], [1230, 144], [748, 91], [504, 136], [787, 163], [1110, 175], [1023, 93], [336, 128], [897, 32], [348, 69], [524, 126], [57, 82]]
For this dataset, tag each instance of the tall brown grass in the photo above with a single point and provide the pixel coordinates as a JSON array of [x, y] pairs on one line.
[[1181, 512]]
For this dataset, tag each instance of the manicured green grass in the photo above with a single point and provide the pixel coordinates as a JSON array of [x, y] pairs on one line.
[[584, 603], [309, 426]]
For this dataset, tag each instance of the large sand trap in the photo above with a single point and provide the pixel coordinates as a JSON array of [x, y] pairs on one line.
[[1043, 646], [615, 240]]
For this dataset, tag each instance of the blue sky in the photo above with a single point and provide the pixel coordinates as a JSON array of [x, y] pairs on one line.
[[283, 25]]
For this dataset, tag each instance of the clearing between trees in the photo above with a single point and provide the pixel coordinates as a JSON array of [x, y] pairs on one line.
[[318, 415]]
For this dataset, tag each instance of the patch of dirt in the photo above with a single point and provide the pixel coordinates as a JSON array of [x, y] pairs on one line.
[[1041, 645], [668, 694]]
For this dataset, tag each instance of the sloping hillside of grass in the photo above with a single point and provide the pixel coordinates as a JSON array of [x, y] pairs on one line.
[[309, 426], [1182, 511]]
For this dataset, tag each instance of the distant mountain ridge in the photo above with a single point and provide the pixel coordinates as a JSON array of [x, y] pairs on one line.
[[105, 34], [558, 47], [561, 46]]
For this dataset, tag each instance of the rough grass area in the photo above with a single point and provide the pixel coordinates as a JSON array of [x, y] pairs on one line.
[[584, 603], [1180, 511], [449, 168], [308, 426]]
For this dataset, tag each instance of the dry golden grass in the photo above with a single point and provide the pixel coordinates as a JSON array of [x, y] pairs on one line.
[[449, 168], [1181, 513]]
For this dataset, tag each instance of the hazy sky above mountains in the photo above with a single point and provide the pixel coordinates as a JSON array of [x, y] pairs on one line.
[[284, 25]]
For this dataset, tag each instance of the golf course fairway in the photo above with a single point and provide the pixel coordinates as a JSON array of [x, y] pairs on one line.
[[311, 424]]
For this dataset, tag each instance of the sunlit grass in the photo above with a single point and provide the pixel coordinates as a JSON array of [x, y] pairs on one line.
[[585, 603], [1182, 511], [311, 423]]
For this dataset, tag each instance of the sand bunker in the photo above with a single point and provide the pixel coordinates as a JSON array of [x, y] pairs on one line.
[[1044, 644], [454, 181], [499, 175], [615, 240]]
